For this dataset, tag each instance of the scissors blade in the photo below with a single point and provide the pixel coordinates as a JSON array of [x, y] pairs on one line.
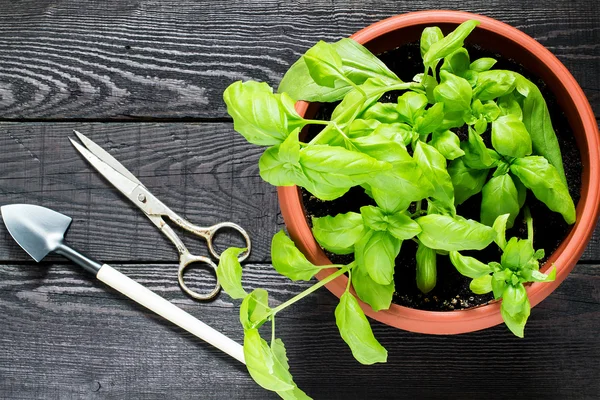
[[104, 156], [121, 182]]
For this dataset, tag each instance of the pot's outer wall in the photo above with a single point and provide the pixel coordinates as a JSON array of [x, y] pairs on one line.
[[510, 43]]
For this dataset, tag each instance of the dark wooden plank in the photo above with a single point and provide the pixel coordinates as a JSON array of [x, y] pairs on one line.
[[65, 336], [206, 172], [173, 59]]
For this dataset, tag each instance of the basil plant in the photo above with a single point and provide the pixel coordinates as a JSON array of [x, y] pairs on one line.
[[408, 158]]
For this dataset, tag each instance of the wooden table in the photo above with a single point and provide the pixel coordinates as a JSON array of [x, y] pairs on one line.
[[145, 80]]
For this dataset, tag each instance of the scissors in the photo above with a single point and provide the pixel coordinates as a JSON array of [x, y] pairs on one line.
[[154, 209]]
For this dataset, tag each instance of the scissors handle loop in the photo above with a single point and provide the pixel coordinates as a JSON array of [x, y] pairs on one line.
[[212, 231], [185, 261], [209, 233]]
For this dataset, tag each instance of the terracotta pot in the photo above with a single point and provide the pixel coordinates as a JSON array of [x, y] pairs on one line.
[[511, 43]]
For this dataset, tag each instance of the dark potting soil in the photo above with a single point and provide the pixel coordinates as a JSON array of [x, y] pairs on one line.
[[452, 289]]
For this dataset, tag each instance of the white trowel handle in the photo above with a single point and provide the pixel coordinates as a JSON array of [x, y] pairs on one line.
[[168, 310]]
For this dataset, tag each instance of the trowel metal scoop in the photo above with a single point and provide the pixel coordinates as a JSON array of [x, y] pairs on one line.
[[40, 231]]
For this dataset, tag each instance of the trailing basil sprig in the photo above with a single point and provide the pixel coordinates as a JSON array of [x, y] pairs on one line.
[[268, 363]]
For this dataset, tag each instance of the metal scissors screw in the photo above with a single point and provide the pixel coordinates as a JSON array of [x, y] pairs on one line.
[[156, 211]]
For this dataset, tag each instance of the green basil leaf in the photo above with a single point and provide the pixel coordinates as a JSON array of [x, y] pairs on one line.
[[466, 181], [362, 127], [324, 64], [279, 353], [493, 84], [448, 44], [298, 83], [254, 309], [356, 331], [447, 143], [381, 148], [358, 65], [498, 284], [500, 229], [437, 207], [396, 189], [276, 171], [402, 226], [510, 106], [539, 254], [442, 232], [257, 113], [383, 112], [544, 181], [430, 35], [338, 234], [331, 170], [398, 225], [398, 132], [502, 168], [499, 196], [410, 106], [469, 266], [457, 63], [482, 64], [488, 110], [378, 296], [353, 104], [433, 165], [294, 394], [289, 150], [513, 298], [263, 366], [426, 268], [533, 275], [516, 323], [536, 118], [517, 253], [521, 190], [374, 218], [477, 156], [229, 273], [289, 261], [431, 120], [455, 92], [376, 251], [510, 137], [480, 125], [481, 285], [453, 119]]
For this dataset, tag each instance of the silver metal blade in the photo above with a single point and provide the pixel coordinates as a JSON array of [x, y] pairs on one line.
[[124, 184], [104, 156], [38, 230]]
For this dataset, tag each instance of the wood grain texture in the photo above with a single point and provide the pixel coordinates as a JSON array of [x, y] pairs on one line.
[[64, 335], [100, 64], [172, 59], [206, 172]]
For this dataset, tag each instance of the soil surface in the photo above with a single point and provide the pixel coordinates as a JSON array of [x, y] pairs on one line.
[[452, 289]]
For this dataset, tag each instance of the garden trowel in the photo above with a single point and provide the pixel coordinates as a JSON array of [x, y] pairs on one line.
[[40, 231]]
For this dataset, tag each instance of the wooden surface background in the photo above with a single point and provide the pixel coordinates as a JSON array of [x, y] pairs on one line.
[[144, 79]]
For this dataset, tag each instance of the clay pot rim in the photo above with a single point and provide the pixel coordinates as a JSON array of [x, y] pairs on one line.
[[565, 257]]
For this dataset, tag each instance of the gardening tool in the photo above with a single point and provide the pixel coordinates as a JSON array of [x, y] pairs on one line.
[[40, 231], [154, 209]]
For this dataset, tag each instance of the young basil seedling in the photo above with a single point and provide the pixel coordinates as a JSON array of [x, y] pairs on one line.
[[518, 265]]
